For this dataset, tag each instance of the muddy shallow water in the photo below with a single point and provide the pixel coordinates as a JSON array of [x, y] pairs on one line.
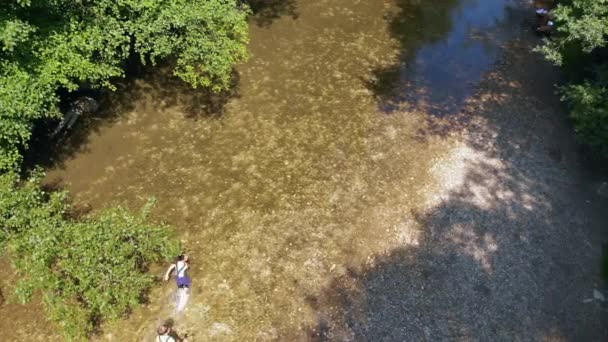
[[313, 164]]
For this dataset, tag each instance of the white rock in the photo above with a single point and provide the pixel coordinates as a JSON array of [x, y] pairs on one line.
[[598, 295], [220, 329], [602, 189]]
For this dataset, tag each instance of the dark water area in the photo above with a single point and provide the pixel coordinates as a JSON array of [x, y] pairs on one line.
[[265, 12], [447, 46]]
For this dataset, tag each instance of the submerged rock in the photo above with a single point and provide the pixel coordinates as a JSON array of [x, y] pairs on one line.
[[220, 329], [598, 295], [602, 189], [82, 105]]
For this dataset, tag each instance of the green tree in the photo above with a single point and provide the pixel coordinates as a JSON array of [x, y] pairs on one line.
[[580, 43], [582, 26], [50, 44], [89, 270]]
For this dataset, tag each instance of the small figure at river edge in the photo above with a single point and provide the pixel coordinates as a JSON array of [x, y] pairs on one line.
[[165, 333], [181, 266], [546, 18]]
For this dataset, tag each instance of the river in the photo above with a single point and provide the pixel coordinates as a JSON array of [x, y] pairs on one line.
[[315, 163]]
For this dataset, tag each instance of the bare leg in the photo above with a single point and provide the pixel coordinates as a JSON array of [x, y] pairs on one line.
[[183, 296]]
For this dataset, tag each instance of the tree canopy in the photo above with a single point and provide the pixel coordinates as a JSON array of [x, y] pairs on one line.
[[580, 43], [46, 45]]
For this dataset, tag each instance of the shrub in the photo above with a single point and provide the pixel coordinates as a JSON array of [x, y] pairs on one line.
[[589, 110], [582, 31], [87, 270]]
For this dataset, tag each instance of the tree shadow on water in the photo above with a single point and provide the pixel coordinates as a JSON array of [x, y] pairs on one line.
[[414, 25], [265, 12], [145, 89], [46, 151], [162, 90], [445, 48]]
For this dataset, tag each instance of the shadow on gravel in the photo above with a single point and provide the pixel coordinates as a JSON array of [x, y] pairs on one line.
[[497, 260], [511, 252], [143, 89]]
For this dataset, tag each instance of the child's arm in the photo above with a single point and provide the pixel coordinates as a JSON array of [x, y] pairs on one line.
[[169, 271]]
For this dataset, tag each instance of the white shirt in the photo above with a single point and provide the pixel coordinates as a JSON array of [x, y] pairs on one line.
[[165, 338], [180, 268]]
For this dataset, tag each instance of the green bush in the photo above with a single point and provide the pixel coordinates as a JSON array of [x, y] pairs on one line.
[[582, 30], [88, 270], [589, 110]]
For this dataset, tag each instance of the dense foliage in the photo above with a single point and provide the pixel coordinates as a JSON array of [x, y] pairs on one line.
[[580, 43], [89, 270], [46, 45]]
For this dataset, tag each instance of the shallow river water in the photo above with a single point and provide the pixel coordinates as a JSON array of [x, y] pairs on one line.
[[313, 164]]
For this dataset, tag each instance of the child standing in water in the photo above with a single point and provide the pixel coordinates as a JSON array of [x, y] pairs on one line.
[[181, 267], [183, 281]]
